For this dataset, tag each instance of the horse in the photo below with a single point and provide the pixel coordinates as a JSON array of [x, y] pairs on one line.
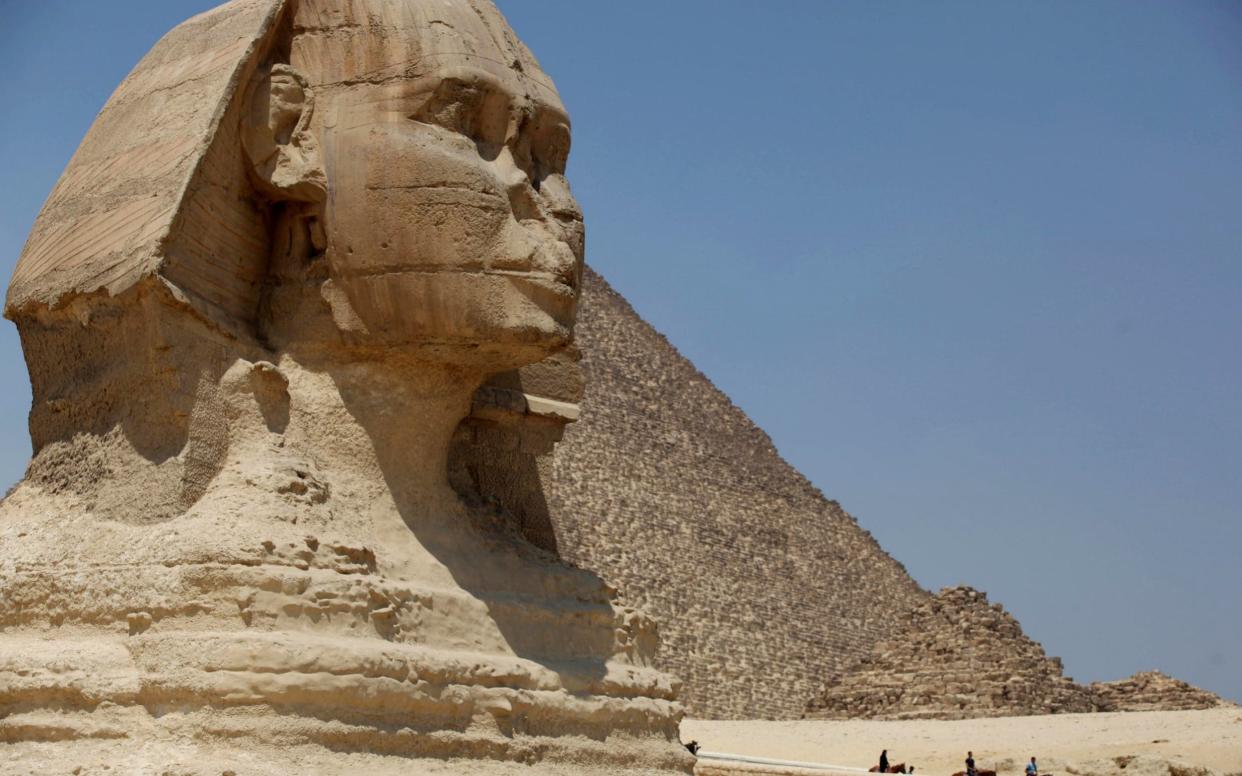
[[978, 772], [898, 768]]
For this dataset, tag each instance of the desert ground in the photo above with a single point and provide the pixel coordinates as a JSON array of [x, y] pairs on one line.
[[1112, 744]]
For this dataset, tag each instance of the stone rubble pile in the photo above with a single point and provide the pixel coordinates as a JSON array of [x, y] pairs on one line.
[[1153, 691], [954, 657]]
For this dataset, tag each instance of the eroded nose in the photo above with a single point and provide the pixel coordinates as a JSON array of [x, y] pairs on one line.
[[517, 184], [565, 215], [511, 174]]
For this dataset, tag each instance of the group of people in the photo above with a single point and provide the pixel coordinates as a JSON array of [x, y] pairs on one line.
[[1032, 768]]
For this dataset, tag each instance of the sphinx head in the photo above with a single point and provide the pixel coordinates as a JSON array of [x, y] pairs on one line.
[[360, 178], [416, 156]]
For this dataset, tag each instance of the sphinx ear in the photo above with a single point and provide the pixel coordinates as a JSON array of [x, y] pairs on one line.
[[282, 153]]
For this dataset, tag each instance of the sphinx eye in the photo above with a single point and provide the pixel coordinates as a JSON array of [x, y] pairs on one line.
[[454, 105], [467, 108]]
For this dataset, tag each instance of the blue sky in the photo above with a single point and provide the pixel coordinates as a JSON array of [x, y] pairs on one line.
[[975, 266]]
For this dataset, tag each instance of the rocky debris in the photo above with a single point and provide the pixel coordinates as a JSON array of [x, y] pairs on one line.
[[954, 657], [1153, 691], [1133, 765]]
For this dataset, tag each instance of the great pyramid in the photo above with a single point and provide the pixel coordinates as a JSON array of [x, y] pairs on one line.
[[772, 602], [668, 491], [954, 657]]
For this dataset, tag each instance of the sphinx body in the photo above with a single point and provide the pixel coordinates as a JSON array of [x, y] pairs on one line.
[[256, 309]]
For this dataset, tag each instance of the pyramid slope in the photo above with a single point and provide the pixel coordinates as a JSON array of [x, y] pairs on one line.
[[954, 657], [670, 493]]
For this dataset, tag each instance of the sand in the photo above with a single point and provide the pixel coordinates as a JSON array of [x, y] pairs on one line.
[[1209, 739]]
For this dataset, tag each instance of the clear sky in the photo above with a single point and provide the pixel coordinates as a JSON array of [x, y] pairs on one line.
[[975, 266]]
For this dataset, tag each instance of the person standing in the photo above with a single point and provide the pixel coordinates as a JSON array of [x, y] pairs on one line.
[[884, 761]]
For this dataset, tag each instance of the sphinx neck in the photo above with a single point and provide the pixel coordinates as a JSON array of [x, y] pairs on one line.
[[409, 413]]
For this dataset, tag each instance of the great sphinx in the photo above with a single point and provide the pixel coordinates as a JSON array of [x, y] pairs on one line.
[[256, 308]]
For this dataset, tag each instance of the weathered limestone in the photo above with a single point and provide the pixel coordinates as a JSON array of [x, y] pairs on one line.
[[255, 310], [1153, 691], [954, 657]]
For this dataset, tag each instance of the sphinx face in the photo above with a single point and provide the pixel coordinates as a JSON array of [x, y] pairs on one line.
[[449, 221]]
